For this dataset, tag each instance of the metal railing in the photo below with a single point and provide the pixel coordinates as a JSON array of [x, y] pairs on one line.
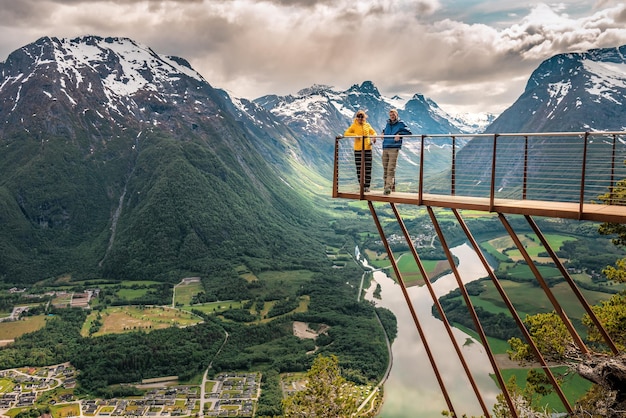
[[574, 167]]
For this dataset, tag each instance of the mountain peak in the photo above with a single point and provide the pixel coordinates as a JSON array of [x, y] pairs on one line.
[[314, 89], [106, 76], [124, 65], [369, 88], [571, 92]]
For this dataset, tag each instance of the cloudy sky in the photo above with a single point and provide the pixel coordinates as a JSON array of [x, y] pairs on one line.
[[466, 55]]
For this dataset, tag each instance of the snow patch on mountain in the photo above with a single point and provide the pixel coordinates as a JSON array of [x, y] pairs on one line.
[[473, 122], [70, 55], [396, 102], [557, 92], [604, 78]]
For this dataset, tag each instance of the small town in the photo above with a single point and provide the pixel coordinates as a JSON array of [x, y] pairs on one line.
[[227, 395]]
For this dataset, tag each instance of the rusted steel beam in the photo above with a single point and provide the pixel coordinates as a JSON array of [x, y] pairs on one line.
[[546, 289]]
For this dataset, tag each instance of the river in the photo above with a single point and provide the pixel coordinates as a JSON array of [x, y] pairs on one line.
[[412, 390]]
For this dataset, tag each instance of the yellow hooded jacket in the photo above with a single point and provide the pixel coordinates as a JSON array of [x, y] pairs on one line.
[[361, 131]]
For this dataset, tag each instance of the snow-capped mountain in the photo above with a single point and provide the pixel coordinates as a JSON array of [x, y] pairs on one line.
[[120, 162], [321, 109], [571, 92], [105, 79]]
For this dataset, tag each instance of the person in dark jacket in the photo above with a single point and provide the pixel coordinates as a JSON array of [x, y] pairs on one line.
[[392, 143]]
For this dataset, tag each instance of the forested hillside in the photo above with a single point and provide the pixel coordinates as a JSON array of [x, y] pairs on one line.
[[157, 178]]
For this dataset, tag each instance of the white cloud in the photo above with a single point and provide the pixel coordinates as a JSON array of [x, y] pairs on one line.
[[473, 57]]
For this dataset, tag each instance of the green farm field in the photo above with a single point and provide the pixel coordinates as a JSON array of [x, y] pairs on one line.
[[185, 291], [408, 267], [529, 299], [213, 307], [532, 245]]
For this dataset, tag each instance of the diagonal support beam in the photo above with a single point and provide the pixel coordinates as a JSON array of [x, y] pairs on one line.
[[546, 289], [570, 281], [407, 298], [513, 311], [468, 303]]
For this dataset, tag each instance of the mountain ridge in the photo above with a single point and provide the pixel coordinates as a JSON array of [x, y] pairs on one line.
[[571, 92], [99, 165]]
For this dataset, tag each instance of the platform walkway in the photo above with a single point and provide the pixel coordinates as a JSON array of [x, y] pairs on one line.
[[559, 174]]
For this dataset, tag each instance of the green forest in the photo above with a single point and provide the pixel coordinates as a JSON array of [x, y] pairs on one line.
[[105, 362]]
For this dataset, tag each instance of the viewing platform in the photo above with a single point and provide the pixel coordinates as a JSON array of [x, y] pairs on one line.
[[561, 174]]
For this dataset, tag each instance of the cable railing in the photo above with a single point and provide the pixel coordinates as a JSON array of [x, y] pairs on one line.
[[566, 167]]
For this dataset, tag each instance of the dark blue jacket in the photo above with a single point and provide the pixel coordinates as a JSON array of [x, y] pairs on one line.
[[398, 128]]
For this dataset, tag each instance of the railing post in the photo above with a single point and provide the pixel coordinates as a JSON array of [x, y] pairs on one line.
[[453, 172], [420, 194], [612, 180], [525, 180], [336, 170], [582, 177], [362, 171], [492, 190]]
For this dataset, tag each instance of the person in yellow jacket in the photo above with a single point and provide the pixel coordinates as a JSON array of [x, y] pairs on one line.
[[364, 138]]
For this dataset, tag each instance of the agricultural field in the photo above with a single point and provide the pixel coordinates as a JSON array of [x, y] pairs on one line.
[[505, 246], [529, 299], [185, 291], [12, 329], [65, 410], [132, 318], [214, 307]]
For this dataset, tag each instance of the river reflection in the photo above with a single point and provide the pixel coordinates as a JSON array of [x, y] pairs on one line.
[[412, 390]]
